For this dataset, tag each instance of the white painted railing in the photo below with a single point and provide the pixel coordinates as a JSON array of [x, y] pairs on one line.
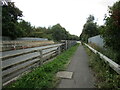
[[111, 63]]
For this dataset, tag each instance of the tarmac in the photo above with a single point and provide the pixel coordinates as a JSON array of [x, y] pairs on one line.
[[82, 75]]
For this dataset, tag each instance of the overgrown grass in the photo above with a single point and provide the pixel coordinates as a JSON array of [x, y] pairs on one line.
[[106, 77], [45, 76], [108, 52]]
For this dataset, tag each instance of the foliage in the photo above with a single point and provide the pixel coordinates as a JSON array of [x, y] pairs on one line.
[[44, 76], [10, 15], [106, 77], [89, 29], [25, 28], [59, 32], [56, 32], [111, 30], [73, 37], [107, 52], [91, 18], [41, 32]]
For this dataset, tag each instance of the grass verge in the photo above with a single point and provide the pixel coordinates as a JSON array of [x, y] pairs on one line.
[[106, 77], [45, 76]]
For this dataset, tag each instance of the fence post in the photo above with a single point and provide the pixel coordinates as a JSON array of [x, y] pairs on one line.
[[66, 46], [0, 74], [62, 47], [58, 50], [41, 54], [70, 44], [1, 47]]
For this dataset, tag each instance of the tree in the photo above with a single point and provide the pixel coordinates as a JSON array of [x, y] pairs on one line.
[[111, 31], [89, 29], [90, 18], [25, 28], [59, 33], [42, 32], [10, 15]]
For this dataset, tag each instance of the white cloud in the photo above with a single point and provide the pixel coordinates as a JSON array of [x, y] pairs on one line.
[[71, 14]]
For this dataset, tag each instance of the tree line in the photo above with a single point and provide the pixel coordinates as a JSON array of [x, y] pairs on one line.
[[110, 31], [13, 26]]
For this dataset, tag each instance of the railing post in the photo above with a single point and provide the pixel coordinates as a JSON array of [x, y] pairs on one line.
[[66, 46], [0, 74], [62, 47], [58, 50], [41, 55], [0, 47]]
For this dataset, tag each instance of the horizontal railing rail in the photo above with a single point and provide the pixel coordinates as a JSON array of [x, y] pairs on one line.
[[15, 45], [23, 51], [111, 63]]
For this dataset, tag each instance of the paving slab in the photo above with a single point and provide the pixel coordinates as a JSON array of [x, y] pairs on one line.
[[65, 74]]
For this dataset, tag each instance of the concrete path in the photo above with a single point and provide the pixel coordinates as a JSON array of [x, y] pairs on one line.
[[82, 75]]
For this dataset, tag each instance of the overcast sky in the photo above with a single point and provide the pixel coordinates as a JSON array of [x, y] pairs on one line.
[[71, 14]]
